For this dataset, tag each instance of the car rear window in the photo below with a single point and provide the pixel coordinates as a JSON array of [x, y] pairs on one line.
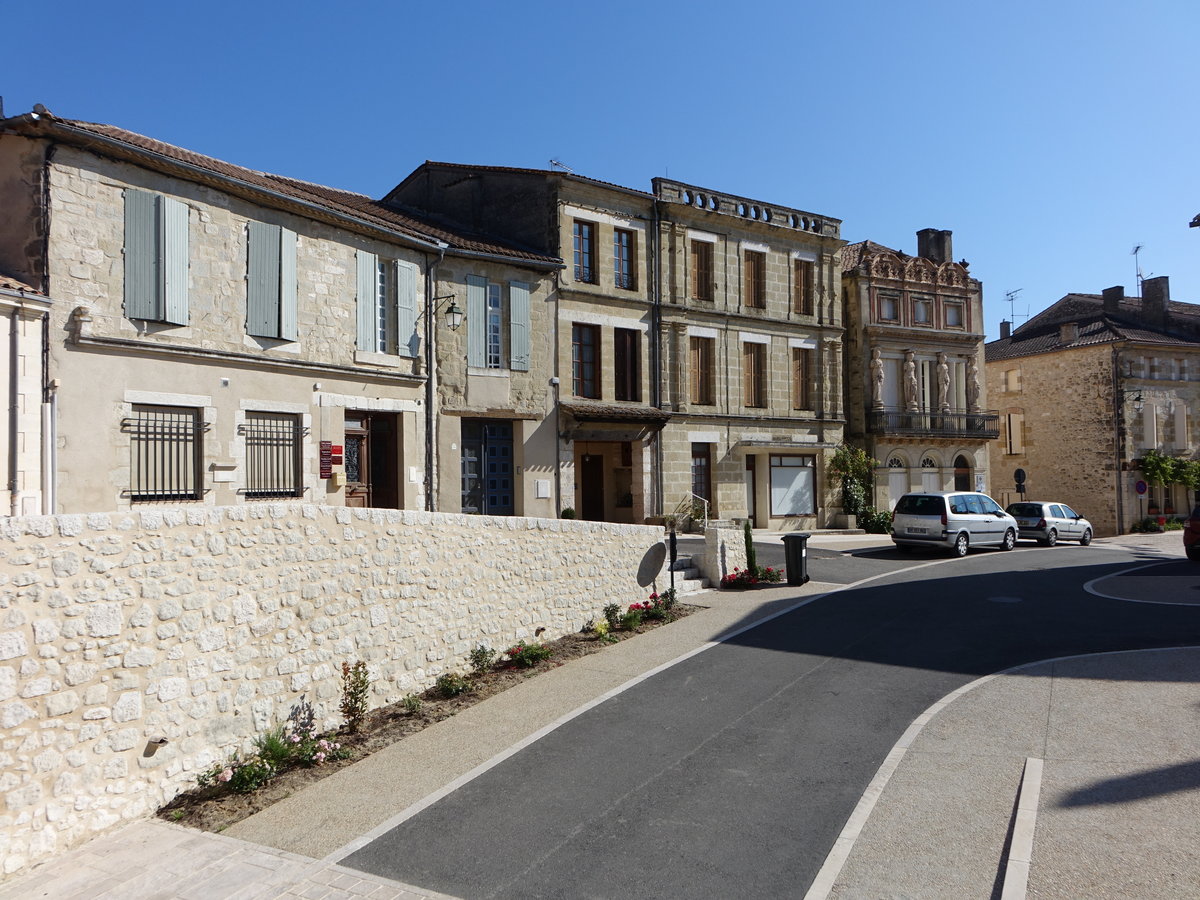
[[1025, 509], [920, 505]]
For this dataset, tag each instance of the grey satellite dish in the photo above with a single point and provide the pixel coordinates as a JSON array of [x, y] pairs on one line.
[[651, 564]]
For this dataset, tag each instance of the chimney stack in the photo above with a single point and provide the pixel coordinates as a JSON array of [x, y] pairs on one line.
[[935, 245], [1005, 329], [1156, 297], [1112, 299]]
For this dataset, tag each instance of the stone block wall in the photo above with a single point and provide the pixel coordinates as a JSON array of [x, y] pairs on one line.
[[205, 626]]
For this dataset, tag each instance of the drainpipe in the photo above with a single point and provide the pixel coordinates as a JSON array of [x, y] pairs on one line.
[[656, 351], [14, 393], [431, 371], [554, 383], [1118, 436]]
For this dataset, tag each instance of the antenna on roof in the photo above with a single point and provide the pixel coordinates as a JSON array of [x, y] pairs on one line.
[[555, 164], [1137, 248], [1011, 298]]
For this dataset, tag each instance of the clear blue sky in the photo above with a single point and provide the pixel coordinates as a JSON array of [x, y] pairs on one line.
[[1050, 137]]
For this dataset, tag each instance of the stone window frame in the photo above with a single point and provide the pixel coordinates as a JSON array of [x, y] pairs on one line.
[[959, 305], [887, 296], [918, 300], [123, 446]]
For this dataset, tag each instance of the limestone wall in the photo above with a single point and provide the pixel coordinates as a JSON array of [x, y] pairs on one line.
[[205, 626]]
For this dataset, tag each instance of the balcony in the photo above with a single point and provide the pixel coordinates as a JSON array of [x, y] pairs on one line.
[[982, 426]]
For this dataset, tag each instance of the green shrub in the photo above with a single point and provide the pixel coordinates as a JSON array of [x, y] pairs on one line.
[[356, 685], [452, 684], [612, 615], [482, 658], [748, 537], [274, 748], [875, 521], [412, 704], [631, 619], [567, 513], [525, 655]]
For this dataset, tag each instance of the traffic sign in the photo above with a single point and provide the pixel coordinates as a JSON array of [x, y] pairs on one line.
[[1140, 487], [1019, 476]]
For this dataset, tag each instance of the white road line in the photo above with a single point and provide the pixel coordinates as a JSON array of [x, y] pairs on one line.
[[1096, 592], [826, 878], [427, 801], [1020, 848]]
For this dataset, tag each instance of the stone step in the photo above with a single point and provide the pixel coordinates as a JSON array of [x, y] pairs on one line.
[[682, 563]]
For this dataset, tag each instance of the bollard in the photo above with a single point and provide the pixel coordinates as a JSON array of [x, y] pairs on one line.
[[795, 557]]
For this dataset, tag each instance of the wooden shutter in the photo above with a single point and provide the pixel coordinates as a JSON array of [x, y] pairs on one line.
[[287, 285], [407, 341], [173, 224], [262, 279], [476, 321], [368, 295], [518, 325], [141, 255]]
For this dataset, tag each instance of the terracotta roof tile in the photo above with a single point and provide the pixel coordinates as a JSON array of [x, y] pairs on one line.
[[8, 283]]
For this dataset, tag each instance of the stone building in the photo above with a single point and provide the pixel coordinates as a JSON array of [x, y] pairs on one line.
[[25, 439], [220, 335], [914, 354], [1085, 388], [751, 328], [681, 327]]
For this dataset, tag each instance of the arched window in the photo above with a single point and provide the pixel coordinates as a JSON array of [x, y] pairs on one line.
[[962, 473]]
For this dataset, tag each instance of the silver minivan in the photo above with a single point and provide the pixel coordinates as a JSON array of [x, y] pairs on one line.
[[955, 520]]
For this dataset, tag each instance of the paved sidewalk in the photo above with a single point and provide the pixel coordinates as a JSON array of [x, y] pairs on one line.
[[1117, 814]]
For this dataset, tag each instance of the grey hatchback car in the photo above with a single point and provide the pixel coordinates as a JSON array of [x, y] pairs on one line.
[[1048, 523], [955, 520]]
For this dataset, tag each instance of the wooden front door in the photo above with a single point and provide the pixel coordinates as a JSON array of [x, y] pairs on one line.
[[591, 487], [371, 460]]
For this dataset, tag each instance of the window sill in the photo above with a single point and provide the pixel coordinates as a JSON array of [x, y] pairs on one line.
[[487, 373], [386, 360]]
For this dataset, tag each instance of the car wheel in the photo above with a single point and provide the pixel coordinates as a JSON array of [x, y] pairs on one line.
[[1193, 553], [1050, 539], [1010, 540], [961, 544], [1086, 538]]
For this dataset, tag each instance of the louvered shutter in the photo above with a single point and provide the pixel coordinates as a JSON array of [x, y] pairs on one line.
[[518, 322], [368, 296], [141, 255], [407, 342], [173, 222], [476, 321], [287, 285], [262, 280]]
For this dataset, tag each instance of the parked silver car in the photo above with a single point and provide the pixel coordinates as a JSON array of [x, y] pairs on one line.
[[1048, 522], [956, 520]]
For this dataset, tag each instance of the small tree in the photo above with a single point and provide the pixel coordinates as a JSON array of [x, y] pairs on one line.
[[853, 467]]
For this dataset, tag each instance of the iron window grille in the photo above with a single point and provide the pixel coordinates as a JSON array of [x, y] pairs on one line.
[[165, 453], [272, 455]]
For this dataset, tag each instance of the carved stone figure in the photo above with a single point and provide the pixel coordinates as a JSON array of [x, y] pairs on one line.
[[876, 379], [943, 383], [910, 381], [972, 385]]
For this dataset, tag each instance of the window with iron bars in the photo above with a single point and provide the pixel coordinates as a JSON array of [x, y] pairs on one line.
[[272, 455], [165, 453]]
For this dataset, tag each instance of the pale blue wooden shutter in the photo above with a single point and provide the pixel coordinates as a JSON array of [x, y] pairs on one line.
[[262, 280], [518, 326], [287, 284], [407, 342], [476, 321], [141, 255], [173, 224], [368, 295]]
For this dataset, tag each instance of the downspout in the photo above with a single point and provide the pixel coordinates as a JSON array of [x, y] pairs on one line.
[[1118, 436], [14, 413], [555, 384], [656, 352], [49, 427], [431, 379]]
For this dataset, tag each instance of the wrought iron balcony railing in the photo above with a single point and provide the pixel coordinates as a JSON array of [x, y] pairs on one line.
[[625, 280], [982, 425]]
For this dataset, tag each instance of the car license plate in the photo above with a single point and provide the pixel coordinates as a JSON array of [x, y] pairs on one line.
[[912, 530], [1026, 523]]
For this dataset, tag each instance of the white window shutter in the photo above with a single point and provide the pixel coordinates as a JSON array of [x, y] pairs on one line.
[[1181, 426], [407, 341], [174, 230], [1150, 426], [368, 295], [142, 261], [287, 285], [518, 319], [476, 321]]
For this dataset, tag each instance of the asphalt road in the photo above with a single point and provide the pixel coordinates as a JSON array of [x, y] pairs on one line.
[[731, 773]]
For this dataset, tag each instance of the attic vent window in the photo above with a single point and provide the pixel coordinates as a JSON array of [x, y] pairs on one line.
[[1069, 332]]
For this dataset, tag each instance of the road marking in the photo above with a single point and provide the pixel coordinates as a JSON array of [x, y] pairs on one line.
[[1020, 848], [823, 884], [1091, 589], [404, 815]]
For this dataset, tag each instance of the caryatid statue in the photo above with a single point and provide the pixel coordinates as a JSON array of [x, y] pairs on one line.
[[972, 385], [943, 383], [877, 379], [910, 381]]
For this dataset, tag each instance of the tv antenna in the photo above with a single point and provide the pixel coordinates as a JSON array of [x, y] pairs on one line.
[[560, 167], [1137, 267], [1011, 297]]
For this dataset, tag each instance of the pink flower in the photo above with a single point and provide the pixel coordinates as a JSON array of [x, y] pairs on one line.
[[320, 757], [295, 738], [225, 775]]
